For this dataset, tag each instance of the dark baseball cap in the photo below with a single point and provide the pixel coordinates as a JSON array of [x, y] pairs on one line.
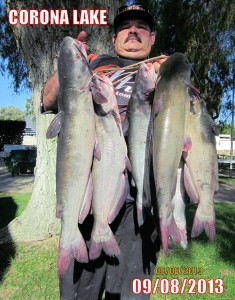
[[133, 11]]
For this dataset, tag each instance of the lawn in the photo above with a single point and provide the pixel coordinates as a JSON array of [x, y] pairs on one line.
[[203, 259], [30, 270], [227, 180], [27, 271]]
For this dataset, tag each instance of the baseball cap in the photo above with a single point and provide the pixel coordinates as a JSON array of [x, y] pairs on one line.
[[133, 11]]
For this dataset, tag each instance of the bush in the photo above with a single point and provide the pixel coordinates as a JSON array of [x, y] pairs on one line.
[[11, 132]]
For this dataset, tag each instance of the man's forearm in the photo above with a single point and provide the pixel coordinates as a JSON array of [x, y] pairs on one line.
[[50, 92]]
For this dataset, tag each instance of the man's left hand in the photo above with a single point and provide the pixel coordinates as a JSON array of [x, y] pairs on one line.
[[158, 63]]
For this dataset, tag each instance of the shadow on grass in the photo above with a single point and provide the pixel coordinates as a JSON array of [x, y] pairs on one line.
[[225, 230], [7, 250]]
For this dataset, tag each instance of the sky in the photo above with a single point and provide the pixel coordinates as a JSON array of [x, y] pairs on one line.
[[7, 95]]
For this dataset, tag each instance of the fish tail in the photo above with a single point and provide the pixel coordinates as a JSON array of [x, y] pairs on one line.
[[64, 260], [140, 215], [200, 225], [184, 240], [171, 231], [95, 249], [110, 246], [77, 249], [174, 231], [210, 229]]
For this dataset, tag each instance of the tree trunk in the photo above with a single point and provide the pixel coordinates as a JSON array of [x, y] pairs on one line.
[[39, 47]]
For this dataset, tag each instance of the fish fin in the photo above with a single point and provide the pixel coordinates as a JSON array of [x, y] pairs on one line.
[[199, 225], [215, 130], [77, 249], [194, 94], [110, 246], [59, 211], [125, 126], [159, 103], [179, 206], [184, 240], [95, 249], [174, 231], [189, 186], [96, 90], [171, 231], [128, 164], [97, 151], [214, 127], [119, 201], [179, 216], [86, 205], [65, 258], [140, 215], [217, 192], [117, 120], [187, 144], [54, 128], [132, 181], [98, 98]]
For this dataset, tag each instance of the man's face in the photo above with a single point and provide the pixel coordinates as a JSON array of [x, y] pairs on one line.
[[133, 39]]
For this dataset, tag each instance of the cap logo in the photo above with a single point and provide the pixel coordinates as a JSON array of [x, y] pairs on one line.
[[131, 7]]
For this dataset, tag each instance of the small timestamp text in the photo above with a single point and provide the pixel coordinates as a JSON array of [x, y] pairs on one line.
[[186, 270]]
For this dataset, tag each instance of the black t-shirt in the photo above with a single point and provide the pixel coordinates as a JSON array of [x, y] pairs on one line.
[[123, 87]]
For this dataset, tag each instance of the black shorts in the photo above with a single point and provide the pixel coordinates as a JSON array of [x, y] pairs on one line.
[[139, 249]]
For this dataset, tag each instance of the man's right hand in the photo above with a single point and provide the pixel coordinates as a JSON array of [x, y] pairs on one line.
[[82, 37], [51, 88]]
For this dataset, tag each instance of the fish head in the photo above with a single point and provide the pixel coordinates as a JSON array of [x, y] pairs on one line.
[[103, 94], [176, 66], [146, 78], [73, 67]]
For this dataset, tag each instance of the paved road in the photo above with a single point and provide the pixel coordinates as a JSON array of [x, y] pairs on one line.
[[226, 193], [18, 184], [24, 184]]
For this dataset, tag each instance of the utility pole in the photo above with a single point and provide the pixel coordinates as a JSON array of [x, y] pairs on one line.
[[232, 128]]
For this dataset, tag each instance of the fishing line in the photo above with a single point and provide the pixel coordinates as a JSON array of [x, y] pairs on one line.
[[135, 65]]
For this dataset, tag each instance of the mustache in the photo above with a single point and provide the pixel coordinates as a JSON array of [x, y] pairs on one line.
[[131, 35]]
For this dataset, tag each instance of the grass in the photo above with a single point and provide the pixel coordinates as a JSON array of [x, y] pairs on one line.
[[32, 272], [29, 271], [203, 259], [226, 180]]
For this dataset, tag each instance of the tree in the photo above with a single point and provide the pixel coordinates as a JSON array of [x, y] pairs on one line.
[[39, 47], [206, 35], [225, 128], [11, 113], [196, 27]]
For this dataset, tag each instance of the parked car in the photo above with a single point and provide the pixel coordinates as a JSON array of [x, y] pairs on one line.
[[21, 161]]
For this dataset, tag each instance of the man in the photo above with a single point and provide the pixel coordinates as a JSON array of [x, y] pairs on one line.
[[133, 40]]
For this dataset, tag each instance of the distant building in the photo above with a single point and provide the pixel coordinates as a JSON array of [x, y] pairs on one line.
[[223, 142], [29, 134]]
